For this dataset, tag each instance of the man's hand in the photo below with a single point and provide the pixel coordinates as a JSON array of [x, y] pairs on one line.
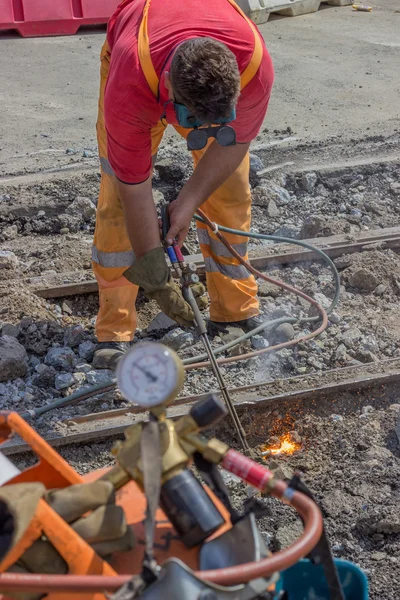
[[181, 213], [152, 273]]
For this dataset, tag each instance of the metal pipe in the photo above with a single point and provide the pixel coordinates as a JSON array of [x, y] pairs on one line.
[[202, 328]]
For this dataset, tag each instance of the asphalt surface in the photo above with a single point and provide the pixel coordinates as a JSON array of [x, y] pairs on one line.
[[337, 74]]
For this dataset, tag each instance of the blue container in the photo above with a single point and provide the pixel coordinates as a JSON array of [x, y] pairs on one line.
[[305, 581]]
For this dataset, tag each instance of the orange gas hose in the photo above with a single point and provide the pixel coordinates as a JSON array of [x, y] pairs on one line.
[[281, 284]]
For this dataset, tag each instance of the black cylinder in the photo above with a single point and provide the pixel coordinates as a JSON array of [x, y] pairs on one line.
[[208, 411], [189, 508]]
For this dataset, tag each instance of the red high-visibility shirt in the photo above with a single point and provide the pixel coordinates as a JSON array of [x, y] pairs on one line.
[[130, 107]]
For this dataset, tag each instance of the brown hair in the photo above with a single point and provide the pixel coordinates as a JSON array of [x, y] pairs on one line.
[[205, 77]]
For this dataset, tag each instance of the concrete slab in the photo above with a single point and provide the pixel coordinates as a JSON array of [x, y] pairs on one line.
[[338, 2], [260, 10], [300, 7], [257, 10]]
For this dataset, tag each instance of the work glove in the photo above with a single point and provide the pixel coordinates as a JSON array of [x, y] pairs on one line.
[[105, 528], [152, 273]]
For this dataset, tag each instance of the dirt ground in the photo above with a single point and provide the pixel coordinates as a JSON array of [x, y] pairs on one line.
[[327, 162]]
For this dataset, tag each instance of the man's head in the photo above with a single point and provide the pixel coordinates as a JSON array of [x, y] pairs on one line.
[[204, 76]]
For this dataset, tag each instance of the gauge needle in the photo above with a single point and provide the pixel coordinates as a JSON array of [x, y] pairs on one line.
[[149, 375]]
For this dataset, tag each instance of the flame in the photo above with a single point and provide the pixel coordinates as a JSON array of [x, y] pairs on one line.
[[287, 446]]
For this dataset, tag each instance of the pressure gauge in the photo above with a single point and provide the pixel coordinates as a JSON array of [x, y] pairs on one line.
[[150, 374]]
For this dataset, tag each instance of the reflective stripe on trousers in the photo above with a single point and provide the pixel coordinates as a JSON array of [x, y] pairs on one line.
[[113, 259], [218, 247], [232, 271], [105, 166]]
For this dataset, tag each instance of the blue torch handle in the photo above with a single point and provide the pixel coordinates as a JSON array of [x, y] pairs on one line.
[[172, 254]]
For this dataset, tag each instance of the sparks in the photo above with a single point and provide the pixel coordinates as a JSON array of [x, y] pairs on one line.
[[287, 446]]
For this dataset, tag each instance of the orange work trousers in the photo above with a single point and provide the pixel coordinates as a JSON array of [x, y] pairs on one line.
[[232, 291]]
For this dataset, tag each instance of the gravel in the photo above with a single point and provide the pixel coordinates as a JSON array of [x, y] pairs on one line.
[[64, 380], [160, 324], [63, 358], [96, 377], [309, 181], [13, 358], [282, 333], [177, 339], [86, 350], [258, 342], [74, 336], [311, 227], [272, 209], [45, 377], [256, 163], [10, 329], [9, 233], [82, 206], [364, 280], [267, 191], [8, 260]]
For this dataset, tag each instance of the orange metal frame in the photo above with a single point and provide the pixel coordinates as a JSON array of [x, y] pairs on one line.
[[54, 472]]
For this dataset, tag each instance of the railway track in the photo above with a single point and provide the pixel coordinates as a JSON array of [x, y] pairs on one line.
[[275, 255], [327, 392]]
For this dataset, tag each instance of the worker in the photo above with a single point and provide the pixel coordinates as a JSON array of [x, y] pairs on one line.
[[186, 63]]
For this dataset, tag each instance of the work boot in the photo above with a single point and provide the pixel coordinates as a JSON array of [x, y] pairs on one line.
[[216, 327], [107, 354]]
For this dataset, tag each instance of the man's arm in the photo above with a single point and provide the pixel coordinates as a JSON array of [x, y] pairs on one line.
[[215, 167], [150, 269], [140, 216]]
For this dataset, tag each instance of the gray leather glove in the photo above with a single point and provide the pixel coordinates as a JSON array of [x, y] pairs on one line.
[[105, 528], [152, 273]]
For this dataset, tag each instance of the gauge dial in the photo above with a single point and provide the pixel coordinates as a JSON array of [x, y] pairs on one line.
[[150, 374]]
